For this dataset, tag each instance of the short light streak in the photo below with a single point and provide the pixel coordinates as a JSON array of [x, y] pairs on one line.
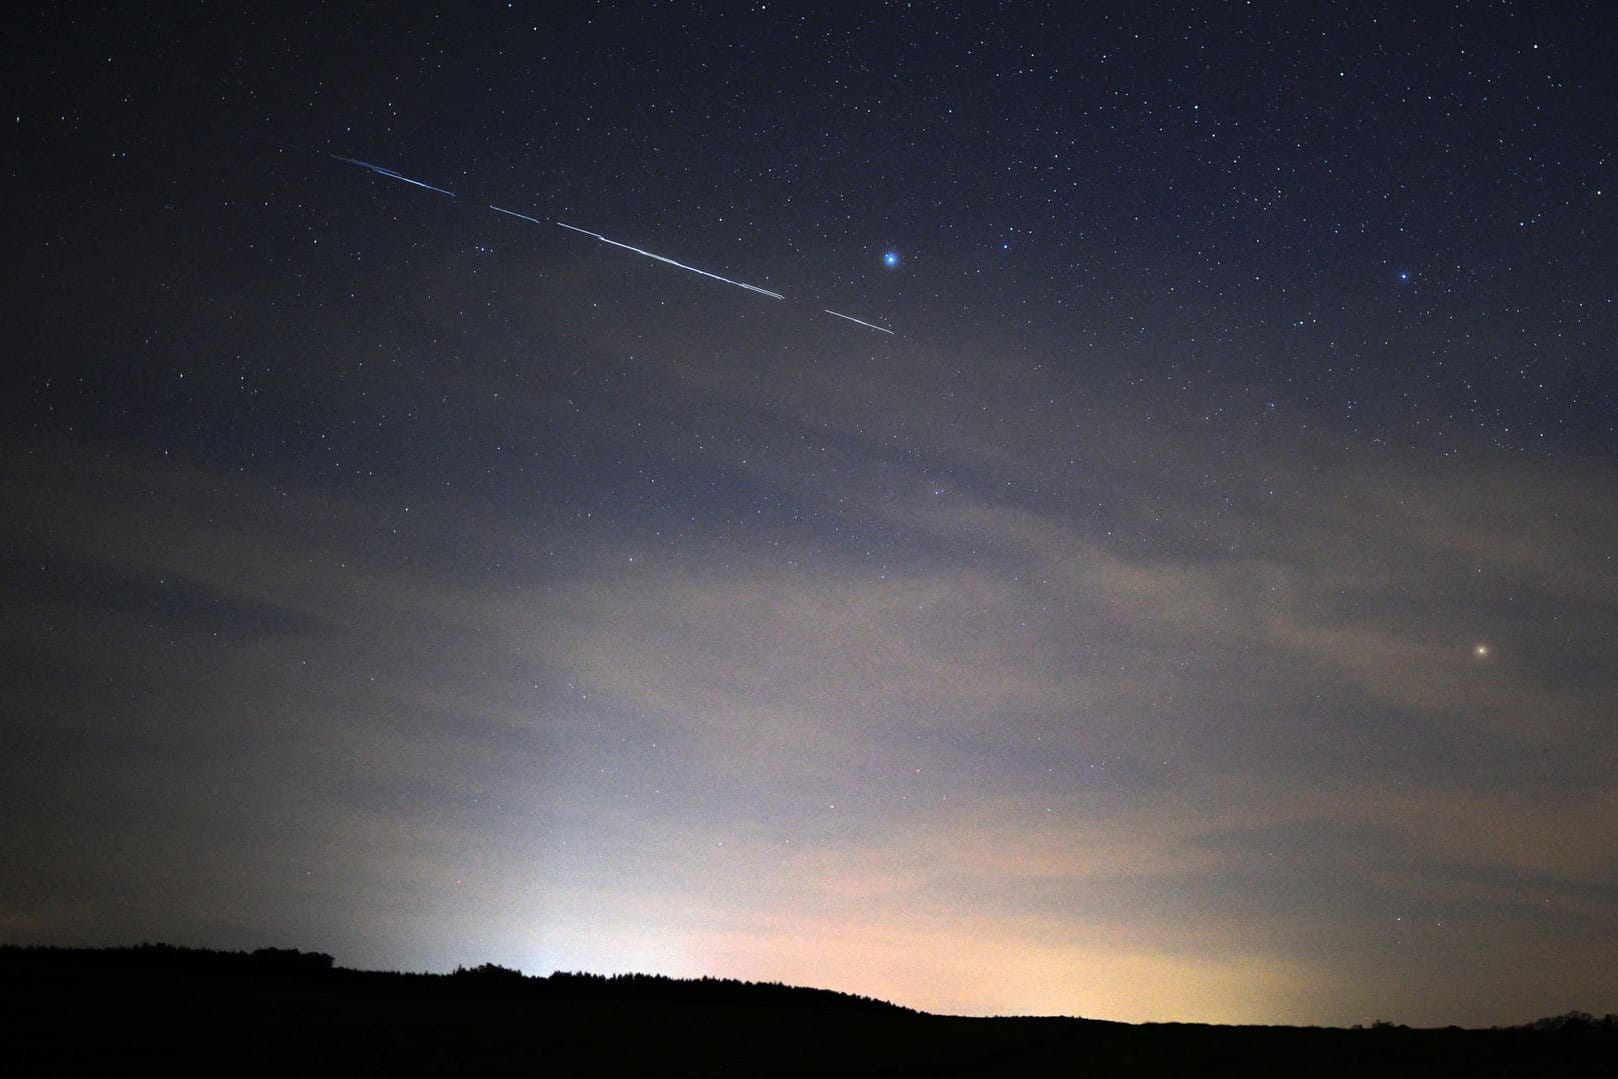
[[514, 213], [861, 321], [671, 262], [390, 174]]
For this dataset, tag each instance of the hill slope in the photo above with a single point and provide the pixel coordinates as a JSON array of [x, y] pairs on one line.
[[279, 1011]]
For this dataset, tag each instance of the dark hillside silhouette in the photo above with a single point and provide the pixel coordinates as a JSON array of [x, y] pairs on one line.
[[284, 1011]]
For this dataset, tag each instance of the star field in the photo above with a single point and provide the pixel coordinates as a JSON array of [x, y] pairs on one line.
[[1175, 580]]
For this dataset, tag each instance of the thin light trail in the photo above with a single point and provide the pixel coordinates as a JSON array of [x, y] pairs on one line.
[[514, 213], [861, 321], [402, 178], [390, 174], [671, 262]]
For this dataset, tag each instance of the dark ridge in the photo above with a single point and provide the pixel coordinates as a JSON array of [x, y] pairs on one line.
[[715, 991], [284, 963], [283, 1011]]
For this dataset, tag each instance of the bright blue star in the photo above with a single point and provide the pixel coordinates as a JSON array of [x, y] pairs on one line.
[[890, 259]]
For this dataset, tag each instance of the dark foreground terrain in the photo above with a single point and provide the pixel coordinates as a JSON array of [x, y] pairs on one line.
[[287, 1012]]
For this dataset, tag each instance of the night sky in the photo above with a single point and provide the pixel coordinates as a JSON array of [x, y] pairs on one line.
[[1202, 605]]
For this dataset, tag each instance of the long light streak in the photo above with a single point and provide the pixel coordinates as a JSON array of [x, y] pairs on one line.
[[671, 262], [402, 178]]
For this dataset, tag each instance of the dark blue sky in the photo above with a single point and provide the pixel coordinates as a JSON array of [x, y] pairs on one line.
[[1201, 606]]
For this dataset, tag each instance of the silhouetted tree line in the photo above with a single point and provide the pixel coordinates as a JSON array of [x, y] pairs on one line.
[[713, 991], [290, 963], [490, 974], [661, 988], [1573, 1021], [286, 963]]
